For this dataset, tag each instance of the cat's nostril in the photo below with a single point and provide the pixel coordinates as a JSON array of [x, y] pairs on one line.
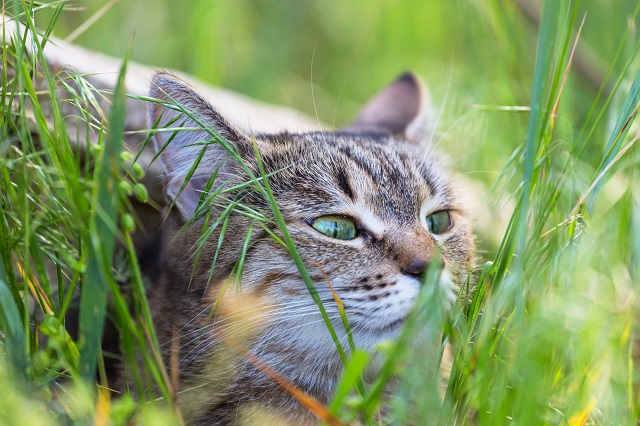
[[415, 268]]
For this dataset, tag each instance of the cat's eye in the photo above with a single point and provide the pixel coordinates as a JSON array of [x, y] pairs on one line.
[[439, 222], [335, 227]]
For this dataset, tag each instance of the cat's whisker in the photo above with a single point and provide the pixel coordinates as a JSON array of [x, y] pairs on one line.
[[219, 337], [290, 102], [228, 321], [206, 308], [440, 111], [444, 134], [263, 344], [335, 109], [313, 97], [275, 331]]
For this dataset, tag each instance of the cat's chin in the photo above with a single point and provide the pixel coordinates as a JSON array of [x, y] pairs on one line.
[[390, 327], [374, 335]]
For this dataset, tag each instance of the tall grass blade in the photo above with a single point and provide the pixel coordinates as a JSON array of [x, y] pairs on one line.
[[297, 259], [616, 140], [12, 328], [102, 228], [544, 59]]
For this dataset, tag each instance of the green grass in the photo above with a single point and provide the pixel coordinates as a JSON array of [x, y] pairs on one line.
[[548, 335]]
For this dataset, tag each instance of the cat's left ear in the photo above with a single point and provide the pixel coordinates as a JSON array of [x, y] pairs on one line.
[[403, 108], [193, 141]]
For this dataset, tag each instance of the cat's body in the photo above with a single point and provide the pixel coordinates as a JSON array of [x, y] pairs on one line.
[[367, 209]]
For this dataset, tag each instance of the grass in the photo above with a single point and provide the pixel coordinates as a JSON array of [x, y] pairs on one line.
[[548, 336]]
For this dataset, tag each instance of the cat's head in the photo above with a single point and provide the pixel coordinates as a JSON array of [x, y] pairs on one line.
[[368, 208]]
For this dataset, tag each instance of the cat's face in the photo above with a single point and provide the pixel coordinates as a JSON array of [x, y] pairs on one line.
[[368, 215], [368, 210]]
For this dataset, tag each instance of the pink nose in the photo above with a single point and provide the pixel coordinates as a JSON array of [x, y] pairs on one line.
[[415, 268]]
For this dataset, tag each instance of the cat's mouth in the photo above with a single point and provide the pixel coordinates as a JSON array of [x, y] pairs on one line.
[[386, 320]]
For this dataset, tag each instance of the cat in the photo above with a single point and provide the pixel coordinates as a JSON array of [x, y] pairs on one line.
[[367, 208]]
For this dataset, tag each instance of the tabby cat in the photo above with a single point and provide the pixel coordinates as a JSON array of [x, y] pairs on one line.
[[367, 208]]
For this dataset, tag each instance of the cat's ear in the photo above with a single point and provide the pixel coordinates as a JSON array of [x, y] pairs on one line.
[[185, 128], [402, 108]]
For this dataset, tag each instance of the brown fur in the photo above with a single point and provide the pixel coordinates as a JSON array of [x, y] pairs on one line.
[[374, 172]]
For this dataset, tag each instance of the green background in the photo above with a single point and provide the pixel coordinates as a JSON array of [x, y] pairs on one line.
[[471, 53]]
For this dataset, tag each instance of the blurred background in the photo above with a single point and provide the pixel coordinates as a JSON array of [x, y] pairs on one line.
[[326, 57], [553, 338]]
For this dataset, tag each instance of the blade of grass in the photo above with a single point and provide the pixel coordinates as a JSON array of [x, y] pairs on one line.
[[93, 296], [12, 328], [546, 40], [296, 257], [620, 131]]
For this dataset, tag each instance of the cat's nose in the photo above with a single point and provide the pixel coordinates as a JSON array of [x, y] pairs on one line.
[[415, 268]]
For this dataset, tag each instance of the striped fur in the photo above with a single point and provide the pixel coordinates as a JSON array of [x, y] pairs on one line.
[[375, 172]]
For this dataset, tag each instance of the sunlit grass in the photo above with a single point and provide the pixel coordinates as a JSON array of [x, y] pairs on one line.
[[547, 336]]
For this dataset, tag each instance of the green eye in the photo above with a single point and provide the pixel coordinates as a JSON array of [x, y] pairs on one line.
[[335, 227], [439, 222]]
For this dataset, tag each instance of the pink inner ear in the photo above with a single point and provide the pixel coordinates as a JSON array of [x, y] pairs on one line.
[[394, 108]]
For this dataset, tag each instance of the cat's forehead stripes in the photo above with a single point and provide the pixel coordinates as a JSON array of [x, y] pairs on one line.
[[343, 181], [390, 178]]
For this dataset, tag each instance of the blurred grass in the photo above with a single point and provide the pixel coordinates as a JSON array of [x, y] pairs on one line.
[[549, 337], [481, 52]]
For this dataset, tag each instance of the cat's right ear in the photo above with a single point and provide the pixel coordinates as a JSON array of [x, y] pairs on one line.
[[185, 127], [401, 108]]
